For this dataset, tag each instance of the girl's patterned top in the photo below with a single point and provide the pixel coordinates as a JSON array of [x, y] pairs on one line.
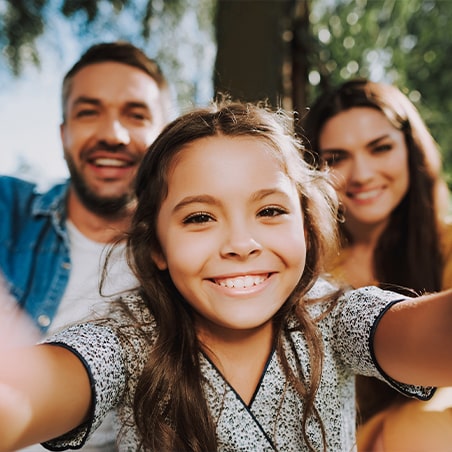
[[272, 421]]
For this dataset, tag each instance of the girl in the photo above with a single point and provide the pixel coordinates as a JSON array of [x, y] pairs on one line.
[[387, 170], [233, 342]]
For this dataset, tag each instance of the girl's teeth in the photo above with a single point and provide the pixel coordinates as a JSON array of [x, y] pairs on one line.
[[241, 282]]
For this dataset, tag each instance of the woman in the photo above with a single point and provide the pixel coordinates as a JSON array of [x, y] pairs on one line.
[[387, 171]]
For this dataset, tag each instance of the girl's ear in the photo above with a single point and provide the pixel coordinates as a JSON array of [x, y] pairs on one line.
[[159, 259]]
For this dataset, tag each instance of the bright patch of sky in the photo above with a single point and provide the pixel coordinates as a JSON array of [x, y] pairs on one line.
[[30, 111]]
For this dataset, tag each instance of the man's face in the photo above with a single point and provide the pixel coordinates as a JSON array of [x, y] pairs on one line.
[[113, 113]]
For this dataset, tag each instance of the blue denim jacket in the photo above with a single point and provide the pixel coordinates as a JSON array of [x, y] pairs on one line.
[[34, 246]]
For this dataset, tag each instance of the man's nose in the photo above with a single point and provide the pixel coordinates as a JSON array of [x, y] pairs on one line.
[[113, 131]]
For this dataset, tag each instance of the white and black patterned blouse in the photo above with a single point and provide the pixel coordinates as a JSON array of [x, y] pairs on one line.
[[272, 420]]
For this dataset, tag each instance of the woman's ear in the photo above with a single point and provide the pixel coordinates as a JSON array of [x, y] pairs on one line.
[[159, 259]]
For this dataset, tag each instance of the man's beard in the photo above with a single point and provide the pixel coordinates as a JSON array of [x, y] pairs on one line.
[[111, 207]]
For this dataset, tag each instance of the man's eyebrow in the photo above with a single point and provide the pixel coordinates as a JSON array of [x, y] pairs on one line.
[[96, 102], [86, 100], [137, 104]]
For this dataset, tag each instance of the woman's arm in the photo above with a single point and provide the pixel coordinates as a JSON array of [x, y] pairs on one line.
[[44, 392], [413, 340]]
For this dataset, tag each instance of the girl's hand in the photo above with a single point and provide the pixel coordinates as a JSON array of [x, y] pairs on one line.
[[16, 329], [44, 389]]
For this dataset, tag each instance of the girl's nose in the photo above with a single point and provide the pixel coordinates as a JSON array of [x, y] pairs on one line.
[[240, 243]]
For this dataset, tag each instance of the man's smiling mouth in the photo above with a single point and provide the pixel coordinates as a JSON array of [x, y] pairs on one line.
[[241, 282], [110, 162]]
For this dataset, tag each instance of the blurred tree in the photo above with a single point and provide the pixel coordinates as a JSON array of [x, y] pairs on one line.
[[251, 51], [178, 33], [283, 50]]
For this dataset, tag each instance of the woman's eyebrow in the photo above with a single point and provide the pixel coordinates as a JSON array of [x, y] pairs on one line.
[[377, 140]]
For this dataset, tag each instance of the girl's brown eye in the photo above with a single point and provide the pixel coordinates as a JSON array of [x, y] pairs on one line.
[[201, 217], [271, 212]]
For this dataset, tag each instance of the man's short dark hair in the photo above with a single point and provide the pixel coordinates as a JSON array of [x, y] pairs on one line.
[[119, 52]]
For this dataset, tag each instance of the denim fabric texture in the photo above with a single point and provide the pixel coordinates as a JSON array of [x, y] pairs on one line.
[[34, 246]]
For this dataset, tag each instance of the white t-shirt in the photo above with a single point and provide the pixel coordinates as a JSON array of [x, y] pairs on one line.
[[82, 300]]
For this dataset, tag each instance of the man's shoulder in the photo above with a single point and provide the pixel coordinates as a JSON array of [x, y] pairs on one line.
[[15, 183], [18, 194]]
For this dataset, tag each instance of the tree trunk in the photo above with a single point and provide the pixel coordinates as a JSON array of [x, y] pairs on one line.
[[251, 49]]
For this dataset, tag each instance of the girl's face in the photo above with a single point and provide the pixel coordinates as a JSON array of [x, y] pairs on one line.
[[369, 162], [231, 233]]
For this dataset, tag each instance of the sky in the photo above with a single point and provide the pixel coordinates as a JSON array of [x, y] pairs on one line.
[[30, 112], [30, 117]]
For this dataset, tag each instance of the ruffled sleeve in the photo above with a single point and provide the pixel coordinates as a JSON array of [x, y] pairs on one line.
[[356, 318]]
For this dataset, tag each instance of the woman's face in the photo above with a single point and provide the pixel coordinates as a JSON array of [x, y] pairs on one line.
[[368, 158]]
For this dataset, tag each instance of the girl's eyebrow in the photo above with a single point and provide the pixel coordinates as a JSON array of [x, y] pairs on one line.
[[208, 199], [261, 194], [200, 199]]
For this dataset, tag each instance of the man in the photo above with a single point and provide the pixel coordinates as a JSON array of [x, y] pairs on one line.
[[115, 101]]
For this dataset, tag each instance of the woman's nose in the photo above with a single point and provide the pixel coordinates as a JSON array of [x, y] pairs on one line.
[[361, 169]]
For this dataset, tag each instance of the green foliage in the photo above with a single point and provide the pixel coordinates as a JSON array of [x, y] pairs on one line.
[[405, 42], [178, 33], [21, 23]]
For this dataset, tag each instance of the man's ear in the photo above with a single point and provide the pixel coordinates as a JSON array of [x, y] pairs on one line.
[[159, 259]]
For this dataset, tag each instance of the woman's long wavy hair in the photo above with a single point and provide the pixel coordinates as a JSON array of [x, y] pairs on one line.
[[170, 408], [408, 253]]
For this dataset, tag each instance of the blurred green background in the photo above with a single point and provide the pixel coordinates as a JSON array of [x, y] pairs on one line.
[[284, 51]]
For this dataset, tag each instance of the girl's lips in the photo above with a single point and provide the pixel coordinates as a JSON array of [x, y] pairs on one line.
[[241, 282]]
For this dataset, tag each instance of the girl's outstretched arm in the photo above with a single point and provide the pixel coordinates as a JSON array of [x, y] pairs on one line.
[[44, 389], [44, 392], [413, 340]]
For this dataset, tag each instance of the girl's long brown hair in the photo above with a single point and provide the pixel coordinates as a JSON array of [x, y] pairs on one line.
[[170, 408]]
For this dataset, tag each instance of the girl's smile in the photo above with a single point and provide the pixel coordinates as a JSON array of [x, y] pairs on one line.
[[241, 282], [231, 231]]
